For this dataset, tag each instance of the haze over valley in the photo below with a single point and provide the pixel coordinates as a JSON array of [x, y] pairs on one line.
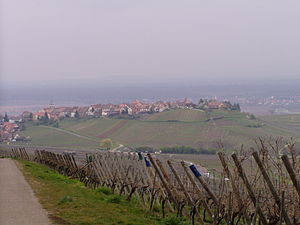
[[258, 97]]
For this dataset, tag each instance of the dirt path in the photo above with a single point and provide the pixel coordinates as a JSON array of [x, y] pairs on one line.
[[116, 148], [18, 205], [70, 132]]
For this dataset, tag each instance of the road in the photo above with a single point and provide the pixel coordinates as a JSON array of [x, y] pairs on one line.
[[116, 148], [18, 204]]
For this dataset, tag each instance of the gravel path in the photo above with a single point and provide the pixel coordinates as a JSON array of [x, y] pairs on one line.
[[18, 205]]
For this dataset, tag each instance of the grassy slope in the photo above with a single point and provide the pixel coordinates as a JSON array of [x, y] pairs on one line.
[[47, 136], [87, 206], [190, 128]]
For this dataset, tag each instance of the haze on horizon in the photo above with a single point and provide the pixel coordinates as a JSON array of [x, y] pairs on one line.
[[139, 41]]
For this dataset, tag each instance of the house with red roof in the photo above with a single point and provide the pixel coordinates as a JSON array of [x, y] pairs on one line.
[[217, 105], [10, 127], [8, 130], [5, 136], [38, 115]]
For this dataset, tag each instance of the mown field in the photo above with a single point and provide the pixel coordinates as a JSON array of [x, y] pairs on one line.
[[176, 127]]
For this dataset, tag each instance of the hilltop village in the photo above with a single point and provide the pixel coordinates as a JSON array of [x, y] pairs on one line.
[[10, 127]]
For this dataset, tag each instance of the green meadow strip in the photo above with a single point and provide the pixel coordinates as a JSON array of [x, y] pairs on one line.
[[68, 201]]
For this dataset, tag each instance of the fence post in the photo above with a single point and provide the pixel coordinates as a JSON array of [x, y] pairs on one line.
[[291, 172], [235, 189], [207, 189], [249, 189], [199, 192], [271, 187], [163, 180], [187, 195]]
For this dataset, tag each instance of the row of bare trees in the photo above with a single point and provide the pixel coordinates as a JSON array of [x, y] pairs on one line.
[[257, 186]]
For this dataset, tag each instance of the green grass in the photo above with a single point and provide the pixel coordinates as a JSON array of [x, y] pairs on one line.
[[88, 127], [70, 202], [174, 127], [180, 115], [49, 136]]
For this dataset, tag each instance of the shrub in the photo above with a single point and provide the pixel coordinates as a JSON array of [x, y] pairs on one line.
[[251, 117], [258, 125], [187, 150], [106, 143], [55, 124], [104, 190], [145, 149]]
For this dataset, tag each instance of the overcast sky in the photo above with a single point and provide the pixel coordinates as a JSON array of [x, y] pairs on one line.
[[139, 41]]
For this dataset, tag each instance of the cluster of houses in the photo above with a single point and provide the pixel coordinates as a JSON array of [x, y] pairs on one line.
[[10, 131], [97, 110], [132, 109]]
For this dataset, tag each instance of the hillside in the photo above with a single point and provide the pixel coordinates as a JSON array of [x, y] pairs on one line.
[[175, 127], [288, 122], [50, 136], [62, 197]]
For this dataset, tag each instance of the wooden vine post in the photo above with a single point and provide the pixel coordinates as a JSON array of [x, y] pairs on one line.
[[249, 188], [187, 195], [234, 187], [271, 187], [291, 172], [199, 191], [170, 194]]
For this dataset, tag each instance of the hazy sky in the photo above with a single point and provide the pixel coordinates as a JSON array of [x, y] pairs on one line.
[[139, 41]]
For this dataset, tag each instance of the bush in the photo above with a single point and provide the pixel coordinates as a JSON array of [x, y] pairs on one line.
[[258, 125], [145, 149], [104, 190], [208, 151], [115, 199], [251, 117], [55, 124], [106, 143], [187, 150], [65, 199]]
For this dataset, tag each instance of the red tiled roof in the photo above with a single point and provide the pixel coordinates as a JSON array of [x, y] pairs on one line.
[[39, 114], [9, 124]]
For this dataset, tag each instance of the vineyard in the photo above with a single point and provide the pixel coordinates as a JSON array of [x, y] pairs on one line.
[[182, 127], [257, 186]]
